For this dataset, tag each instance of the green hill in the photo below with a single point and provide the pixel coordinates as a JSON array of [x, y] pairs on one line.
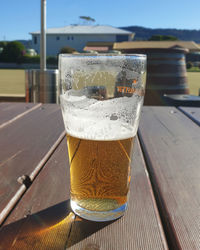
[[142, 33]]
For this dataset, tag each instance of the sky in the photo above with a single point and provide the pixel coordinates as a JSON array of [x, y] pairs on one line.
[[19, 18]]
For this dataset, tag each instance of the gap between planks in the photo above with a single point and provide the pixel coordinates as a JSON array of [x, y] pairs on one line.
[[156, 210], [23, 188], [188, 115], [20, 115]]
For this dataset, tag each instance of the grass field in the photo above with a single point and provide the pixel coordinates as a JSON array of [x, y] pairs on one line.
[[194, 69], [12, 82], [194, 82]]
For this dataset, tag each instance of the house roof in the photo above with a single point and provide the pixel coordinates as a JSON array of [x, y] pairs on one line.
[[101, 48], [98, 46], [86, 29], [100, 43], [192, 46]]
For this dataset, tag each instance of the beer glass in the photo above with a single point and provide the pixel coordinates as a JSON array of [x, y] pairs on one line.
[[101, 98]]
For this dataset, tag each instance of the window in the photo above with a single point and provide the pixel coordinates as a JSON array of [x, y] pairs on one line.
[[35, 39], [57, 38], [70, 38]]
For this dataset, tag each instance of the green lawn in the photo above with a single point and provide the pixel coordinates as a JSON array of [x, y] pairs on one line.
[[194, 69], [194, 82], [12, 82]]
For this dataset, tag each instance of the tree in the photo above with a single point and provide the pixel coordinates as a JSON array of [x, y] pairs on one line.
[[13, 52], [189, 65], [2, 44], [163, 38], [87, 19]]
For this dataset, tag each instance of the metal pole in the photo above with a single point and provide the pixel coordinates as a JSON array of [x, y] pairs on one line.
[[43, 36]]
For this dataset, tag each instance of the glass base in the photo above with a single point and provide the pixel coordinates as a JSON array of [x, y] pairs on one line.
[[98, 215]]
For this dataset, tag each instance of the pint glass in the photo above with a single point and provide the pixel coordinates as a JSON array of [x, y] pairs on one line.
[[101, 99]]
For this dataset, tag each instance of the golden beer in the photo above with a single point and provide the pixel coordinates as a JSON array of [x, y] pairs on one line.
[[100, 172]]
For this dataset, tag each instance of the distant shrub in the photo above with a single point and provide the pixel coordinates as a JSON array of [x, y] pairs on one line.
[[3, 44], [67, 50], [189, 65], [52, 60], [36, 59], [31, 59], [13, 52]]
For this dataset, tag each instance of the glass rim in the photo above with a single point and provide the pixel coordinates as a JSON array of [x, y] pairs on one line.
[[132, 56]]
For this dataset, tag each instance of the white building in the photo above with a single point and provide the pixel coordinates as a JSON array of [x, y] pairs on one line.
[[76, 36]]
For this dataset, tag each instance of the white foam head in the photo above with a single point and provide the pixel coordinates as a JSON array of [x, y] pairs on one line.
[[111, 119]]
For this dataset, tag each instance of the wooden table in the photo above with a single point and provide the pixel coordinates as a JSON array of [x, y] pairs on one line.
[[164, 204]]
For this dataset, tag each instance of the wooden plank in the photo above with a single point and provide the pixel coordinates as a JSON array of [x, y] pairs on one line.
[[26, 181], [171, 144], [23, 144], [8, 111], [192, 112], [43, 219]]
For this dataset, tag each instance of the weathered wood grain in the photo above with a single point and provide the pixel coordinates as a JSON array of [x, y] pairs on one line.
[[9, 111], [43, 219], [26, 181], [171, 145], [192, 112], [38, 219], [23, 144]]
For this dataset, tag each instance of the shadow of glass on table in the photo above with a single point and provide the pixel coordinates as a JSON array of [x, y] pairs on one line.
[[56, 227]]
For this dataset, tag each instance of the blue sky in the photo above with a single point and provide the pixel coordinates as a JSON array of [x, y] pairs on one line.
[[18, 18]]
